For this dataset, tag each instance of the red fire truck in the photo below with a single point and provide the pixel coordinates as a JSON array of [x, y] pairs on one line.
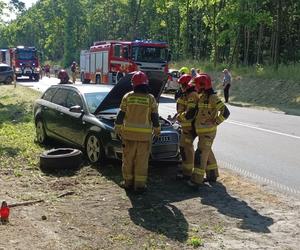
[[25, 62], [108, 61]]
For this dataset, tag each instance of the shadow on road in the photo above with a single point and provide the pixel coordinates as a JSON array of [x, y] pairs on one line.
[[157, 212], [218, 197]]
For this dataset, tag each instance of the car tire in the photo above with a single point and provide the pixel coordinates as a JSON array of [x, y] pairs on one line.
[[41, 135], [9, 80], [60, 159], [94, 149]]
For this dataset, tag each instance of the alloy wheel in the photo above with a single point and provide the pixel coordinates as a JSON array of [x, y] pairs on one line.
[[40, 132], [93, 148]]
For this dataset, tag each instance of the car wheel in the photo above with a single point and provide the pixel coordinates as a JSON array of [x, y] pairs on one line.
[[60, 158], [9, 80], [40, 132], [94, 149]]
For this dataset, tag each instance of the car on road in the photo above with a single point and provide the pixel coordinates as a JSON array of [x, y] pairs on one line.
[[172, 84], [83, 116], [6, 73]]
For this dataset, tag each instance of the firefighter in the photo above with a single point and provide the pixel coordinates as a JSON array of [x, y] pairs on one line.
[[187, 101], [184, 70], [64, 77], [137, 120], [211, 113], [74, 71]]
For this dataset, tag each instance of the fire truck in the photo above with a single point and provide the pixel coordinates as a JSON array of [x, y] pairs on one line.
[[25, 62], [106, 62]]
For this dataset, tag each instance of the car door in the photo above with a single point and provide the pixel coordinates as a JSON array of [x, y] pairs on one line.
[[56, 115], [74, 126]]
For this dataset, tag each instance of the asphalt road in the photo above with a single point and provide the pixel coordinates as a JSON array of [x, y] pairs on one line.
[[260, 144]]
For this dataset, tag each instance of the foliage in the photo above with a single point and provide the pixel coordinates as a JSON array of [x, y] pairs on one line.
[[232, 32]]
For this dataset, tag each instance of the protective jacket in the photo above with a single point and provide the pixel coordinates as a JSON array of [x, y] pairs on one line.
[[211, 112], [138, 116]]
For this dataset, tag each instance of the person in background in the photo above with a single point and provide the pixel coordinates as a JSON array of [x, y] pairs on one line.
[[193, 72], [47, 70], [226, 84], [74, 71]]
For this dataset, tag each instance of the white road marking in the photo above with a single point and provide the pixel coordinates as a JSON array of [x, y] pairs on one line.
[[259, 178], [262, 129]]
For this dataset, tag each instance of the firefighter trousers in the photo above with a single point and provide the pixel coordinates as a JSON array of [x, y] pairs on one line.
[[135, 163], [187, 152], [207, 162], [73, 76]]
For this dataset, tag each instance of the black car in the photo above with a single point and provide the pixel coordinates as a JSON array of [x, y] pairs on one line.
[[84, 115], [6, 73]]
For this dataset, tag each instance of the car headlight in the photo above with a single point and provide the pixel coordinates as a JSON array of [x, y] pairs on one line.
[[18, 69], [37, 69]]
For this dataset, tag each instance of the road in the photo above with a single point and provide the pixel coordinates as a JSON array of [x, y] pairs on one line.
[[260, 144]]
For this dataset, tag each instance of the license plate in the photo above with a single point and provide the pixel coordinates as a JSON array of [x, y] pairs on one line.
[[28, 72]]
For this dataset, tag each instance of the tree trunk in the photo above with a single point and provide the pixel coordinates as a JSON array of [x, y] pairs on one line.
[[260, 36], [277, 38]]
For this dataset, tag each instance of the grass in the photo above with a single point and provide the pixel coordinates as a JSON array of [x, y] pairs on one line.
[[195, 241], [17, 131], [284, 72]]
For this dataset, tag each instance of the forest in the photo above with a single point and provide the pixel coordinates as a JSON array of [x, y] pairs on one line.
[[231, 32]]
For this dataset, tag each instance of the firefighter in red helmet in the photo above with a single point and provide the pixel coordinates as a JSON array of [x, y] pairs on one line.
[[136, 123], [63, 76], [186, 102], [211, 113]]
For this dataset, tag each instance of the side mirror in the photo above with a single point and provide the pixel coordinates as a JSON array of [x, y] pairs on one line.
[[76, 109]]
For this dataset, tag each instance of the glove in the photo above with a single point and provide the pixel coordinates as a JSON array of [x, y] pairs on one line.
[[156, 131], [118, 130]]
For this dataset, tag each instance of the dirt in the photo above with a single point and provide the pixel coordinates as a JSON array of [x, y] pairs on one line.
[[86, 209]]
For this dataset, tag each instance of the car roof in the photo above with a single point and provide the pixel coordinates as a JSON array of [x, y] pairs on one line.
[[87, 88], [4, 65]]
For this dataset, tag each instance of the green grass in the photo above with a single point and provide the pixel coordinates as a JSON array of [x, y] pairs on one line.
[[195, 241], [17, 130]]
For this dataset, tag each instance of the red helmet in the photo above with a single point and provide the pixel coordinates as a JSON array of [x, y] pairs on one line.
[[139, 78], [202, 81], [63, 76], [184, 79]]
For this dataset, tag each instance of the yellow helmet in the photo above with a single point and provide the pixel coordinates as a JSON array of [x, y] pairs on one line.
[[184, 70]]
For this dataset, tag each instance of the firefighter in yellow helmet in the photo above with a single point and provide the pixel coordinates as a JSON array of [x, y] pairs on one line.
[[137, 120], [184, 70], [211, 113], [188, 100]]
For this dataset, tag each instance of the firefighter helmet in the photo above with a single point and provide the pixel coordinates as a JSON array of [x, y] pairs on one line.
[[184, 79], [184, 70], [63, 76], [202, 81], [139, 78]]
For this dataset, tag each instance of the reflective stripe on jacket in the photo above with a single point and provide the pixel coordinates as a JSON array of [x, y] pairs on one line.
[[190, 101], [137, 124], [210, 113]]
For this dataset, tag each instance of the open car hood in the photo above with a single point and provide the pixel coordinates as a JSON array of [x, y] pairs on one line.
[[114, 97]]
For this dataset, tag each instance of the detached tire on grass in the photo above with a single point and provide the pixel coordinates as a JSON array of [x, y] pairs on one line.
[[60, 159]]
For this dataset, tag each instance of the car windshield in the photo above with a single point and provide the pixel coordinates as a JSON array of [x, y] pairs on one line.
[[149, 54], [26, 55], [93, 100]]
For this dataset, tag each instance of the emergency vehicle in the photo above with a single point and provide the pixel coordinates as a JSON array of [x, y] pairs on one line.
[[24, 61], [109, 61]]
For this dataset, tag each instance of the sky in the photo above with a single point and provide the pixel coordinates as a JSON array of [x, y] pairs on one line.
[[10, 16]]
